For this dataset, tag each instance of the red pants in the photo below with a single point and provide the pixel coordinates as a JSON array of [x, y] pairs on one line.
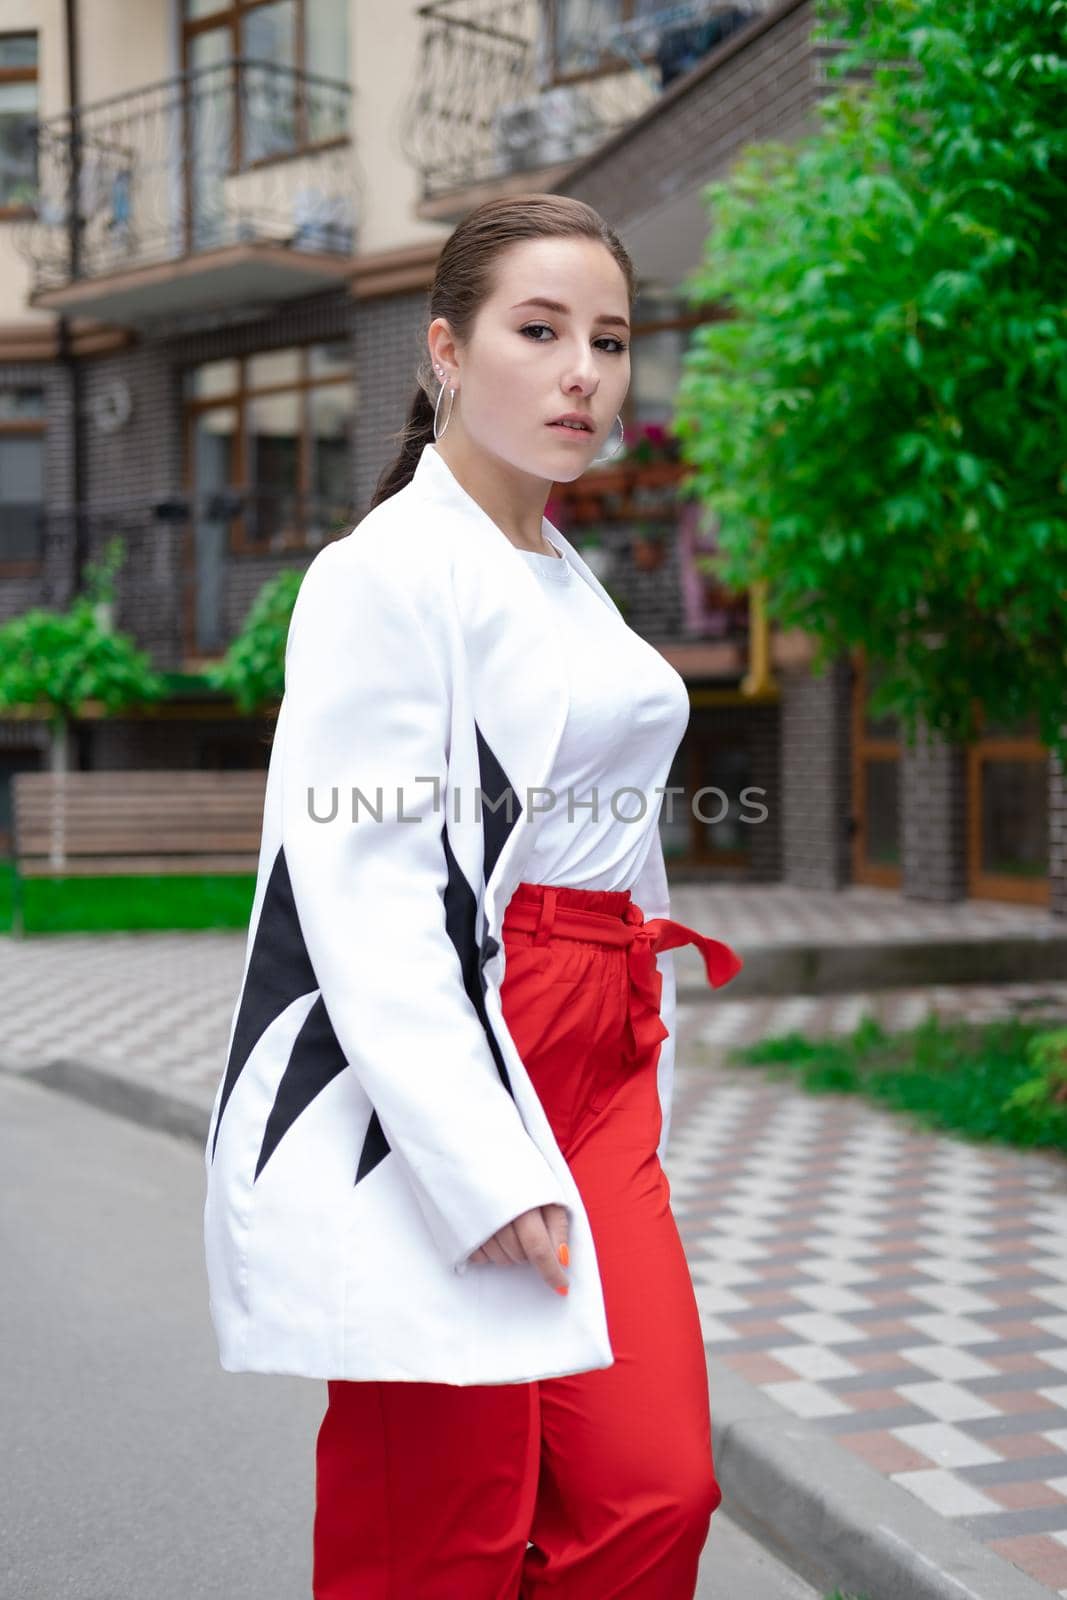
[[430, 1491]]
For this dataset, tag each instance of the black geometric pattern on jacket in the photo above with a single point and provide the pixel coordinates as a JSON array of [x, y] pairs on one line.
[[460, 920], [497, 824], [315, 1061], [279, 972]]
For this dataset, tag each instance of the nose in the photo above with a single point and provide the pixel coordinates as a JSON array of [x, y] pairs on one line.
[[582, 375]]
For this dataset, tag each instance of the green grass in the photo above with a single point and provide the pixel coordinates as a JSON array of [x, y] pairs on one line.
[[950, 1076], [99, 905]]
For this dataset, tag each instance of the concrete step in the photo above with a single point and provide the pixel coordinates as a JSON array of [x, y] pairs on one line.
[[837, 967]]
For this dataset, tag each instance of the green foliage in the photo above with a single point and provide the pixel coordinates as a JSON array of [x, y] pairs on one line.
[[1046, 1054], [253, 668], [975, 1079], [879, 419], [100, 574], [62, 659]]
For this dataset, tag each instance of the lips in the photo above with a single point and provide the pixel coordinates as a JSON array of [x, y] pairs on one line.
[[571, 427]]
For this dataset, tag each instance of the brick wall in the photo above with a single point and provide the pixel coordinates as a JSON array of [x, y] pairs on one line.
[[141, 463], [389, 341], [761, 84], [933, 819], [1057, 836], [51, 586], [754, 729], [816, 779], [120, 744], [147, 458]]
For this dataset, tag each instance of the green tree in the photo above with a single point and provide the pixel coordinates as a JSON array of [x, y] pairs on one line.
[[879, 417], [253, 668], [59, 660]]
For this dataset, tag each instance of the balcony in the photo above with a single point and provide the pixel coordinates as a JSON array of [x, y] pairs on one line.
[[228, 185], [525, 88], [180, 592]]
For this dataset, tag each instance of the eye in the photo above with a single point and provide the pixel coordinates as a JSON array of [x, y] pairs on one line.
[[609, 338]]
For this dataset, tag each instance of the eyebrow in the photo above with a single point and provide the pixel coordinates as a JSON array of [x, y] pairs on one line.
[[557, 305]]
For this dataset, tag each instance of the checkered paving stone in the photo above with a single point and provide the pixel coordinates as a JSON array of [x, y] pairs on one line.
[[904, 1291], [901, 1290], [751, 915], [121, 1002], [708, 1029]]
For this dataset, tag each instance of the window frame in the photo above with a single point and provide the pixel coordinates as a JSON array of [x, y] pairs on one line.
[[240, 543], [609, 66], [36, 427], [229, 15], [10, 213]]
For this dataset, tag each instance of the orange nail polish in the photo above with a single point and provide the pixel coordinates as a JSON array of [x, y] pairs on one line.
[[563, 1288], [564, 1256]]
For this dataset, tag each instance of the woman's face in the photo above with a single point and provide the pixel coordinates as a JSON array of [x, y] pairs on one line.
[[528, 363]]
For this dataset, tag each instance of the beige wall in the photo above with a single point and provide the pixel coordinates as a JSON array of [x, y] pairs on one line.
[[385, 47], [113, 57], [46, 17], [116, 58]]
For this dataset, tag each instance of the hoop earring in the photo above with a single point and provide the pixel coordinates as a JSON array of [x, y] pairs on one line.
[[598, 461], [436, 432]]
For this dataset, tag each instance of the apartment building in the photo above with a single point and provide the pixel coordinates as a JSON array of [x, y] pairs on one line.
[[218, 223]]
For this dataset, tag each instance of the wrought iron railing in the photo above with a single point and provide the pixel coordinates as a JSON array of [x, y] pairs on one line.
[[238, 152], [179, 554], [505, 86]]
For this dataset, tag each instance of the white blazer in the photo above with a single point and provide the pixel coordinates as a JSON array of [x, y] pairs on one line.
[[375, 1123]]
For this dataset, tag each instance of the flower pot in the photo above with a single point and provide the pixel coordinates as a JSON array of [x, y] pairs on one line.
[[648, 554]]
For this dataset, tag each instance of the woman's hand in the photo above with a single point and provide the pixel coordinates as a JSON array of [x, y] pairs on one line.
[[538, 1236]]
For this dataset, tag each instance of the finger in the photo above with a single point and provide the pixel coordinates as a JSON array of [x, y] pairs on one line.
[[557, 1221], [511, 1243], [540, 1250], [494, 1252]]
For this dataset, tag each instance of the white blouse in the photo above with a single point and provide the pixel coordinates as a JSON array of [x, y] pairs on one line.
[[628, 711]]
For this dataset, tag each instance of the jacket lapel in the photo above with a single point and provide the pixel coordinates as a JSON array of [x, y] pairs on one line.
[[521, 690], [519, 686]]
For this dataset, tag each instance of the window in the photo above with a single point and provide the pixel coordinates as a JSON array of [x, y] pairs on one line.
[[594, 36], [274, 111], [1009, 835], [22, 435], [18, 111], [268, 445], [589, 35], [662, 326]]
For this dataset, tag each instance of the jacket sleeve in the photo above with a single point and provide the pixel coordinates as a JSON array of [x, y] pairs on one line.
[[367, 709]]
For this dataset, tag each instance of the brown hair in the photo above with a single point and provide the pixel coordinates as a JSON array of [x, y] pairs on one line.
[[463, 280]]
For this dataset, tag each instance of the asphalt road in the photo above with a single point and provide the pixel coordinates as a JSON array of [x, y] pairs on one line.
[[133, 1466]]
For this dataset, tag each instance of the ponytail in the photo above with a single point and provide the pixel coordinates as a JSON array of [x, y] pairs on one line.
[[416, 433]]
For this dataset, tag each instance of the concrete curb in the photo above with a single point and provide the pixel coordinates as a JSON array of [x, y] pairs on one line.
[[813, 968], [143, 1103], [825, 1513], [833, 1519]]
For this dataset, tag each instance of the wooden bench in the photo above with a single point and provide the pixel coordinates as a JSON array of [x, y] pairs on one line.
[[101, 824]]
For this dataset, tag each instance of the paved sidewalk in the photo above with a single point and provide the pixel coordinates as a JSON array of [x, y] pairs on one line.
[[902, 1293]]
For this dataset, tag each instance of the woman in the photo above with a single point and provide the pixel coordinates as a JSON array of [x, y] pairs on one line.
[[434, 1164]]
